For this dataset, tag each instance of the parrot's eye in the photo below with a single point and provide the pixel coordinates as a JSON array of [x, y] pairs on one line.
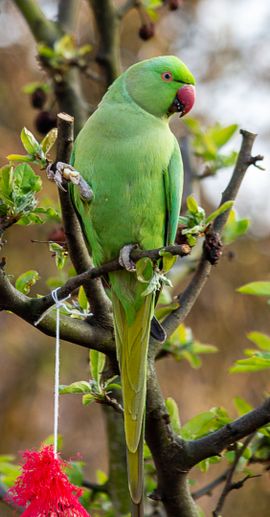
[[167, 76]]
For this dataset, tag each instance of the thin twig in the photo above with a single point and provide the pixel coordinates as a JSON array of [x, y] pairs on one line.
[[207, 489], [229, 485], [95, 487], [125, 8], [107, 22], [189, 296], [43, 303], [8, 501]]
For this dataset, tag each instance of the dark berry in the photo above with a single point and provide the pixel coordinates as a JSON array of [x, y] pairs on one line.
[[57, 235], [147, 31], [38, 98], [173, 5], [45, 121]]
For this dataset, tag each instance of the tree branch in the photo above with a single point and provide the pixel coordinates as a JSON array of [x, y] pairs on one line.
[[74, 330], [207, 489], [194, 288], [42, 29], [168, 451], [67, 91], [125, 8], [43, 303], [11, 504], [229, 485], [215, 442], [107, 22], [67, 14]]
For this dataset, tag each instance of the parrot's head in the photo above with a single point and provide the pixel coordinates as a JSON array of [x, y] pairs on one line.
[[161, 85]]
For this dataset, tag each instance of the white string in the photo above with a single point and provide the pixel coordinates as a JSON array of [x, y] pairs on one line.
[[58, 305], [56, 373]]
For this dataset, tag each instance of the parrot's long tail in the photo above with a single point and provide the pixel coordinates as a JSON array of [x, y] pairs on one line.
[[132, 329]]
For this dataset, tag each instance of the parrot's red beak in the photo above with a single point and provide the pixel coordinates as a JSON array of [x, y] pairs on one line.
[[184, 100]]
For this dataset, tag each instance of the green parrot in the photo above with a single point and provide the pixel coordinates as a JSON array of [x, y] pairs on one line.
[[131, 160]]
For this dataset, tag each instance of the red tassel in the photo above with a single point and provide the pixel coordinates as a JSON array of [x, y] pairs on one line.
[[43, 489]]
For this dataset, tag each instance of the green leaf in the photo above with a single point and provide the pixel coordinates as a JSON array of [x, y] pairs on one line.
[[223, 208], [193, 125], [59, 253], [6, 458], [260, 339], [29, 142], [6, 175], [204, 423], [50, 441], [65, 46], [221, 135], [242, 406], [144, 269], [75, 387], [256, 288], [101, 477], [82, 299], [26, 280], [97, 362], [32, 87], [84, 49], [25, 180], [192, 204], [88, 399], [19, 158], [45, 51], [49, 140], [252, 364], [234, 228], [202, 348], [205, 464], [173, 411], [168, 260], [75, 472]]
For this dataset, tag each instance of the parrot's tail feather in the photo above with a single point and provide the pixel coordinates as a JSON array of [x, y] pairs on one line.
[[132, 321], [137, 510], [135, 474]]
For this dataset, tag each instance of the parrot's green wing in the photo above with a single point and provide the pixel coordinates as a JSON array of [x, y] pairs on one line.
[[173, 182]]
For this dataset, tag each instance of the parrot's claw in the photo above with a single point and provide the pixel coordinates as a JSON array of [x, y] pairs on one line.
[[60, 172], [124, 257]]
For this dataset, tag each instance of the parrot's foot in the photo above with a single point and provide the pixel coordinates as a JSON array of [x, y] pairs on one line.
[[125, 259], [60, 172], [157, 331]]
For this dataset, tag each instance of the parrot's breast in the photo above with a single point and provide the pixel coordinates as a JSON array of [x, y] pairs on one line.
[[124, 163]]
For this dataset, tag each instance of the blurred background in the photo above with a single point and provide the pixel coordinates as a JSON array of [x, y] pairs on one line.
[[226, 44]]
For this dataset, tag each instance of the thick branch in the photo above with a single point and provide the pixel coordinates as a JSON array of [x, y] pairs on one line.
[[192, 291], [215, 442], [42, 29], [74, 330], [168, 452], [67, 14], [107, 22]]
